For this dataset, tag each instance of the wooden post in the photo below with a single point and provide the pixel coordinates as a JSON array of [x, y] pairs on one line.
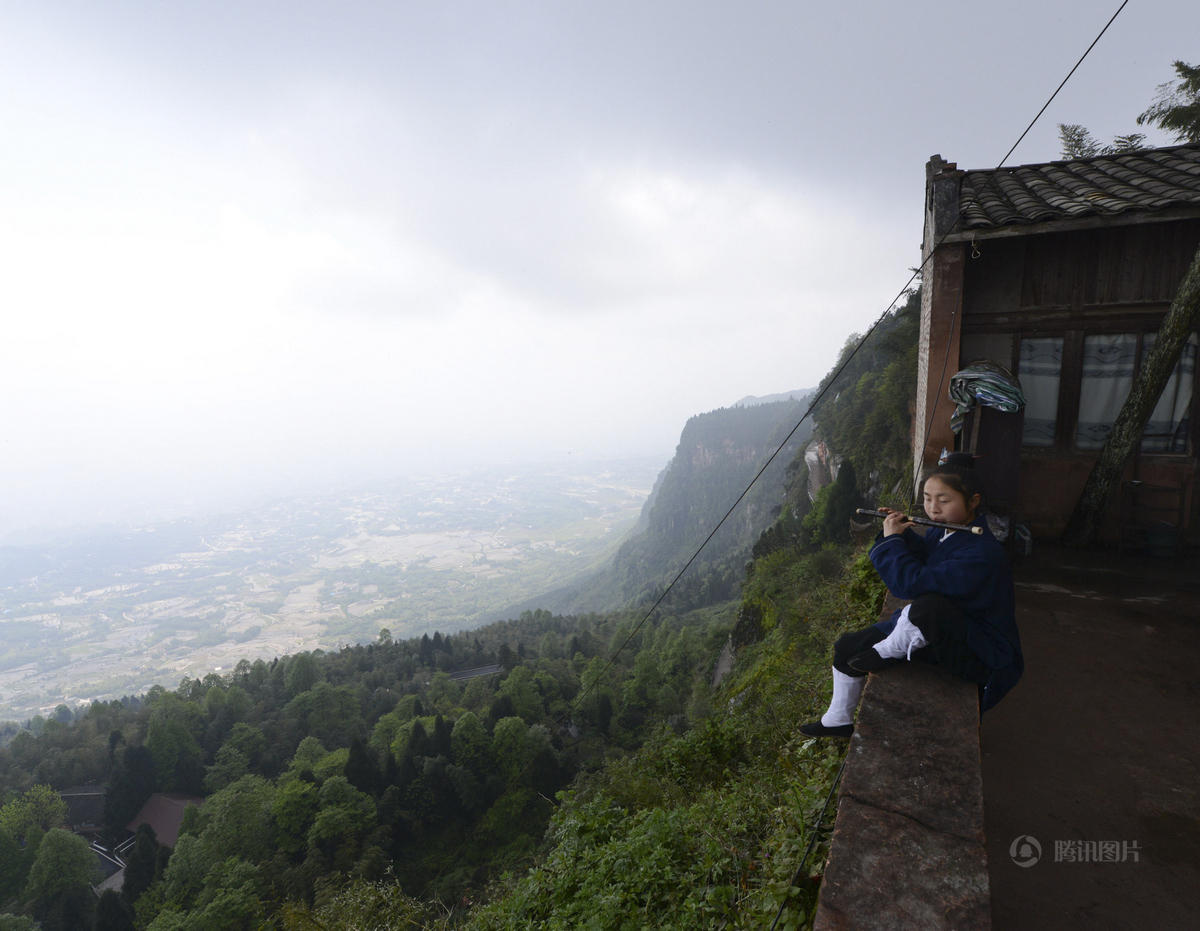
[[1084, 525]]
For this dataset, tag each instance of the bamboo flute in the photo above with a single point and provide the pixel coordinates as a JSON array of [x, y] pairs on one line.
[[925, 521]]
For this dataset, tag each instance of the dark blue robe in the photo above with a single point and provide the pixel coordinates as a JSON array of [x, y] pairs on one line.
[[970, 570]]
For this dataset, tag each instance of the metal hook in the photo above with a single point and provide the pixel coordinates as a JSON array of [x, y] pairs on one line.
[[975, 253]]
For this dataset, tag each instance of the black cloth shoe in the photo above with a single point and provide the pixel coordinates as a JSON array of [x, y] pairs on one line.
[[817, 729], [870, 661]]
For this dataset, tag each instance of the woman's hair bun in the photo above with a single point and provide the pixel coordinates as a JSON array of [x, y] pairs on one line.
[[958, 460], [958, 471]]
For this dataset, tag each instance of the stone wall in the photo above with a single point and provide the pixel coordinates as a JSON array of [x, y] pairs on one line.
[[908, 842]]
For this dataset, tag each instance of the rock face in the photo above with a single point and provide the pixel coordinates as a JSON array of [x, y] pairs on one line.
[[908, 844], [718, 455]]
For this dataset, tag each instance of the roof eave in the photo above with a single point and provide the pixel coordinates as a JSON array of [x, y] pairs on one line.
[[1108, 221]]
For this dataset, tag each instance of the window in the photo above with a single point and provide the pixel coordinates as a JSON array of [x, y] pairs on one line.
[[1108, 364], [1167, 429], [1109, 361], [1039, 368]]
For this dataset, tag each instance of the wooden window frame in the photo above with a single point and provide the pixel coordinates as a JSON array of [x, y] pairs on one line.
[[1070, 384]]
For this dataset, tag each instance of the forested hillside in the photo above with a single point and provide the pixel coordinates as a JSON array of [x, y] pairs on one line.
[[866, 418], [370, 776], [547, 771], [369, 762]]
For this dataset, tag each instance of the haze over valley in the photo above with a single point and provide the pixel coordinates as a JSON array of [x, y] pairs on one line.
[[111, 613]]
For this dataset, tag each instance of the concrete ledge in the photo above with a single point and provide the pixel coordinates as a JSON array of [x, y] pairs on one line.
[[908, 842]]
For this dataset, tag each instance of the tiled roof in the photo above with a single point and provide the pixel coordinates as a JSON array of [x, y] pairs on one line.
[[164, 813], [85, 806], [1153, 179]]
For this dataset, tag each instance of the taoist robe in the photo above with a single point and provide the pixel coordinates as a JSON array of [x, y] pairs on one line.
[[972, 571]]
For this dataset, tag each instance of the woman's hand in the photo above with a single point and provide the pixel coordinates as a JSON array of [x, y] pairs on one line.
[[895, 522]]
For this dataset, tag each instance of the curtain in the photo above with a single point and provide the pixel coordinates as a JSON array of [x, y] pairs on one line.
[[1167, 429], [1109, 361], [1038, 369]]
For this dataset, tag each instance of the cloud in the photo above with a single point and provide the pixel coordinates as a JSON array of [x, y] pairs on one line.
[[250, 243], [265, 310]]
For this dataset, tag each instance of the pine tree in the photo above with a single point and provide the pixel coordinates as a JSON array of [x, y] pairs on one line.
[[1176, 109]]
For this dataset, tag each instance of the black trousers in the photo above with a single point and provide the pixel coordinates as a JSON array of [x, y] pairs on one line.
[[944, 627]]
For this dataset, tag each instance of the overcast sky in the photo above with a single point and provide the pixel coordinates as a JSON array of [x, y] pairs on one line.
[[258, 245]]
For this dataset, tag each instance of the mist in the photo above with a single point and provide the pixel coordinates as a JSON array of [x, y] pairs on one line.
[[257, 249]]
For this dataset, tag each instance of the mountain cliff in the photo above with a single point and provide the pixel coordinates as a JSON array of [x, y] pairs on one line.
[[718, 455]]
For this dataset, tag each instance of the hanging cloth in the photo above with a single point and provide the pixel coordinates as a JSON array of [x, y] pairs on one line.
[[984, 383]]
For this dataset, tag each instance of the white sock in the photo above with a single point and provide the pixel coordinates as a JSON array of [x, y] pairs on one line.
[[901, 642], [847, 690]]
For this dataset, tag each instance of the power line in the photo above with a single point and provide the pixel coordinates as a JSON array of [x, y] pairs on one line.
[[820, 395], [841, 367], [812, 406], [937, 397], [1063, 83], [576, 704]]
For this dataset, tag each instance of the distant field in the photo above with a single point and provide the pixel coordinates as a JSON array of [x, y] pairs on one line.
[[111, 614]]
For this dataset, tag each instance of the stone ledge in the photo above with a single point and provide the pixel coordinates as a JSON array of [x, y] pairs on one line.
[[908, 842]]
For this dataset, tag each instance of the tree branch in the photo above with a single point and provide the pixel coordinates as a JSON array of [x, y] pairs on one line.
[[1084, 525]]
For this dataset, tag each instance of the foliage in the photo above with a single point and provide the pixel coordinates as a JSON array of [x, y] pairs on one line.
[[829, 519], [39, 809], [171, 738], [1176, 109], [60, 878], [1075, 142], [866, 415], [1176, 106], [383, 763], [366, 905], [113, 912], [24, 821], [142, 863], [705, 827]]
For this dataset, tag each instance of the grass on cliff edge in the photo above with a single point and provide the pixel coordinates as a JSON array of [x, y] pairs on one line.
[[706, 828]]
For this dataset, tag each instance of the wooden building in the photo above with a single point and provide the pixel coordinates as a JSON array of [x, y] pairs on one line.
[[1062, 273]]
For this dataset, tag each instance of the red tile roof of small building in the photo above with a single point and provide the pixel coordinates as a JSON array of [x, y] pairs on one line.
[[164, 813], [1108, 185]]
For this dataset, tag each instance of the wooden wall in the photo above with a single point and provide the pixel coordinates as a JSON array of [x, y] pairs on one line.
[[1102, 280]]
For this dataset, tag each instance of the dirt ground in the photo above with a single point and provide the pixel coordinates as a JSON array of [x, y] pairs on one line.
[[1095, 755]]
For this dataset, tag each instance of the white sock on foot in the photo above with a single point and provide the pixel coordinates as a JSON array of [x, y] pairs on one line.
[[847, 690]]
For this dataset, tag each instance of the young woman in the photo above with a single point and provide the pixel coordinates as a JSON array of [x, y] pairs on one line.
[[961, 615]]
